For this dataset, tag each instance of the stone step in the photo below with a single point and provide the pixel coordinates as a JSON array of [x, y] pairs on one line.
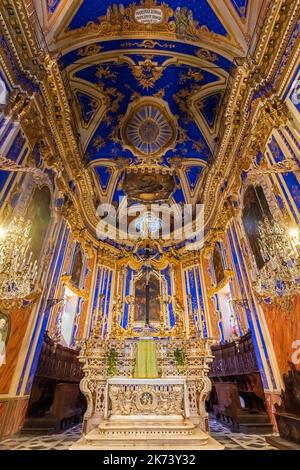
[[255, 418], [131, 429], [41, 431], [138, 440], [131, 424], [256, 428], [282, 444], [157, 436]]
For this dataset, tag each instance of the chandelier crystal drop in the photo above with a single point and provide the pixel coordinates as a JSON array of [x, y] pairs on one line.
[[17, 269], [280, 276]]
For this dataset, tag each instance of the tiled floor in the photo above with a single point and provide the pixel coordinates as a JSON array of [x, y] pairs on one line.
[[237, 441], [63, 441]]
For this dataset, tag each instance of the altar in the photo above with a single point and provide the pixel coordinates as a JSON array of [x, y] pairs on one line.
[[147, 414], [162, 412]]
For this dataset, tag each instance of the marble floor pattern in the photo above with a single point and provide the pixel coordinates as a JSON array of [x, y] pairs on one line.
[[231, 441]]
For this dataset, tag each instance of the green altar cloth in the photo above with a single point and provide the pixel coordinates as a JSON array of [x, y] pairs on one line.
[[146, 363]]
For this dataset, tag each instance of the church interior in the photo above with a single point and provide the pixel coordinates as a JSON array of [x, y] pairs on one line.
[[149, 224]]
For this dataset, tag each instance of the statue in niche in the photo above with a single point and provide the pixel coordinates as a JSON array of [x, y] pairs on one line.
[[140, 300], [39, 212], [255, 209], [218, 265], [77, 266], [4, 334]]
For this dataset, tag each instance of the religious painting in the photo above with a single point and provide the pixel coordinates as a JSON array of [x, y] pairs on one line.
[[148, 187], [255, 209], [218, 265], [140, 300], [4, 335], [77, 266], [39, 212]]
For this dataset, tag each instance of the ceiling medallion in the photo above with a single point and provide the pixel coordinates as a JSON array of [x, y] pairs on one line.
[[149, 129]]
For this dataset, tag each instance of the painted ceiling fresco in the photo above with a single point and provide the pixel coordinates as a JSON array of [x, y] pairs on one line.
[[147, 89]]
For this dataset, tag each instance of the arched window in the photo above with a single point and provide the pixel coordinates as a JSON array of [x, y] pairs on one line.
[[39, 212], [68, 316], [255, 210]]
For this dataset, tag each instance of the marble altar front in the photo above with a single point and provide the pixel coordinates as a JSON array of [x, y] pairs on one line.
[[146, 397]]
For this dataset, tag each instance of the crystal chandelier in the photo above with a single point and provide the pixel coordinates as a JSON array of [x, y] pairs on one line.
[[148, 225], [17, 269], [280, 276]]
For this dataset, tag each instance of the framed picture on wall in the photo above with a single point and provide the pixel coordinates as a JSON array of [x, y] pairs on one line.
[[218, 264], [4, 336]]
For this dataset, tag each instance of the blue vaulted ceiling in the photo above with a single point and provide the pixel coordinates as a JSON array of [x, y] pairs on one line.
[[176, 84], [104, 175], [241, 7], [216, 60], [107, 77], [52, 5], [193, 174], [209, 108], [87, 105]]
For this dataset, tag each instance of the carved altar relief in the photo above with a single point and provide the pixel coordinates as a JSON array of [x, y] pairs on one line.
[[146, 399], [156, 397]]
